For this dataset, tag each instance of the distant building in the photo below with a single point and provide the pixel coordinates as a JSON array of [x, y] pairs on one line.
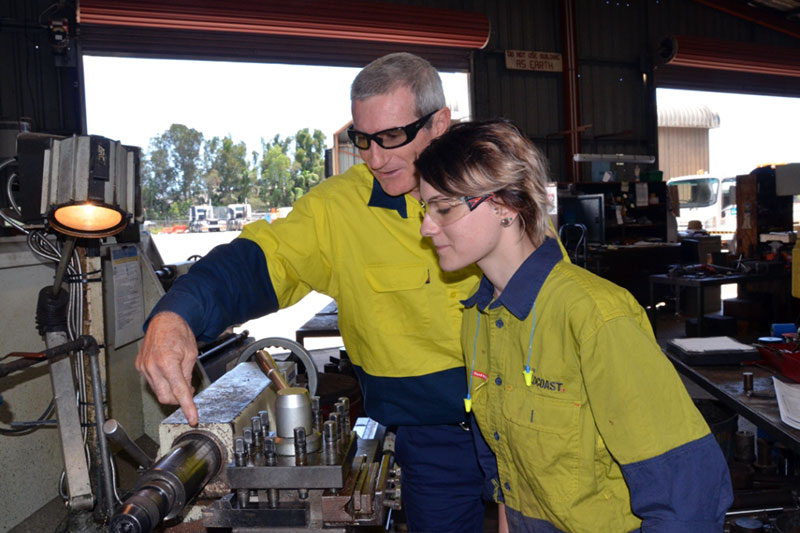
[[345, 154], [683, 139]]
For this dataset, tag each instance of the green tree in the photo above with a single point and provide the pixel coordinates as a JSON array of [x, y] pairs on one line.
[[172, 172], [309, 157], [276, 184], [158, 187], [229, 178]]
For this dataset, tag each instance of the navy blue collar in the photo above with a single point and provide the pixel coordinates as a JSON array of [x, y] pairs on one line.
[[524, 285], [379, 198]]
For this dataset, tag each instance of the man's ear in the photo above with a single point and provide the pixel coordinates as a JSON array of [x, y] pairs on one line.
[[441, 121]]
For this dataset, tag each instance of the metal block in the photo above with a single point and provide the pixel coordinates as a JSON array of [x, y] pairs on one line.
[[225, 409]]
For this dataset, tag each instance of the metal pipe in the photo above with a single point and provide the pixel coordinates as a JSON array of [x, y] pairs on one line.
[[66, 256], [569, 44], [99, 419]]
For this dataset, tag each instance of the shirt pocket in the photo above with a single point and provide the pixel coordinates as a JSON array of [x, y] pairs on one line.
[[399, 302], [545, 443]]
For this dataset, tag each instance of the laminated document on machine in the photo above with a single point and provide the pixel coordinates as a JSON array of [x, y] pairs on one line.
[[788, 396]]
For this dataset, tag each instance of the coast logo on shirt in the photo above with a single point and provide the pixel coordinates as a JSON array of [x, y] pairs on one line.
[[548, 384]]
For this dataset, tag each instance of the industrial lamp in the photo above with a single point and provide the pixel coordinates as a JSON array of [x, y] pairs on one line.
[[88, 185]]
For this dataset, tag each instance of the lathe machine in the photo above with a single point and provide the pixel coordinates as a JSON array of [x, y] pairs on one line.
[[265, 459]]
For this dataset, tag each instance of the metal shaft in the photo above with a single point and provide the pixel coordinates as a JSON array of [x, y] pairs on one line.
[[164, 490], [114, 431]]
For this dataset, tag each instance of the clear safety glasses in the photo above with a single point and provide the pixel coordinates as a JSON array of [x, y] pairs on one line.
[[449, 210]]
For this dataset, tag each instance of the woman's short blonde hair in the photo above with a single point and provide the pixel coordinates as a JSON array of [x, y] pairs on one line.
[[478, 158]]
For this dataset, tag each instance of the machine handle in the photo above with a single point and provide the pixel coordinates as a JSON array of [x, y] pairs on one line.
[[116, 433]]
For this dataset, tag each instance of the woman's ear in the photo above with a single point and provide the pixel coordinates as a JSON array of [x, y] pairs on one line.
[[502, 210]]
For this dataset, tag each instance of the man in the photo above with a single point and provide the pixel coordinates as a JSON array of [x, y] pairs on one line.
[[356, 238]]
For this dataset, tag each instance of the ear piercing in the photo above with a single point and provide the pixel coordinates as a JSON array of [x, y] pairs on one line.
[[506, 222]]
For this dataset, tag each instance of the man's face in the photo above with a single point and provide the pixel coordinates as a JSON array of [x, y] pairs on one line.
[[394, 168]]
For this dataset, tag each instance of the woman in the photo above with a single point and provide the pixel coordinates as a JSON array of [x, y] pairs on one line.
[[592, 427]]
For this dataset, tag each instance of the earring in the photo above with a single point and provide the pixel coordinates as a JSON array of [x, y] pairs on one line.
[[506, 222]]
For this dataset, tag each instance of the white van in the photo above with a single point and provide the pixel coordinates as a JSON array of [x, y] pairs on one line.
[[710, 200]]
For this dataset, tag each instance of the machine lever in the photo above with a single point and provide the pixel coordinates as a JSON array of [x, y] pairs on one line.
[[270, 369], [116, 433]]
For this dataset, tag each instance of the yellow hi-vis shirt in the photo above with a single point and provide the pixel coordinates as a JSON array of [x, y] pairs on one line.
[[399, 313], [603, 402]]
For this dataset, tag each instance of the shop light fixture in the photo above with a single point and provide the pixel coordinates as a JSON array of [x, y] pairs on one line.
[[88, 185]]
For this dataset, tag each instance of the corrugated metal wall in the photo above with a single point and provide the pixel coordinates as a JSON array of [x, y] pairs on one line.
[[533, 100], [687, 149]]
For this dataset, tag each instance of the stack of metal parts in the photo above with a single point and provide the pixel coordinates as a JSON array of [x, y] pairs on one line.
[[306, 475]]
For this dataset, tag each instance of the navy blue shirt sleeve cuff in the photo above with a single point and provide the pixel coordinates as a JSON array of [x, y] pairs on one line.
[[688, 485], [228, 286]]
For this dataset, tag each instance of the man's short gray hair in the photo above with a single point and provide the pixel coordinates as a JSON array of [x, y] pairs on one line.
[[391, 71]]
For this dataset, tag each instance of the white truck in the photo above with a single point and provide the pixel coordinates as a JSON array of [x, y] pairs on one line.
[[203, 219], [238, 216], [709, 199]]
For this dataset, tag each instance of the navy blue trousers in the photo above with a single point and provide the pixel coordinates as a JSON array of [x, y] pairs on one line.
[[442, 481]]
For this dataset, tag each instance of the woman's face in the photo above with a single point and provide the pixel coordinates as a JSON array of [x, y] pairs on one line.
[[470, 239]]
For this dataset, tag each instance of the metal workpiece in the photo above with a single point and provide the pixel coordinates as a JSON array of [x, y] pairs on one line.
[[175, 479], [224, 409], [196, 458]]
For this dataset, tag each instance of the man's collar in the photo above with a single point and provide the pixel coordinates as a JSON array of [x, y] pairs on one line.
[[524, 285], [379, 198]]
